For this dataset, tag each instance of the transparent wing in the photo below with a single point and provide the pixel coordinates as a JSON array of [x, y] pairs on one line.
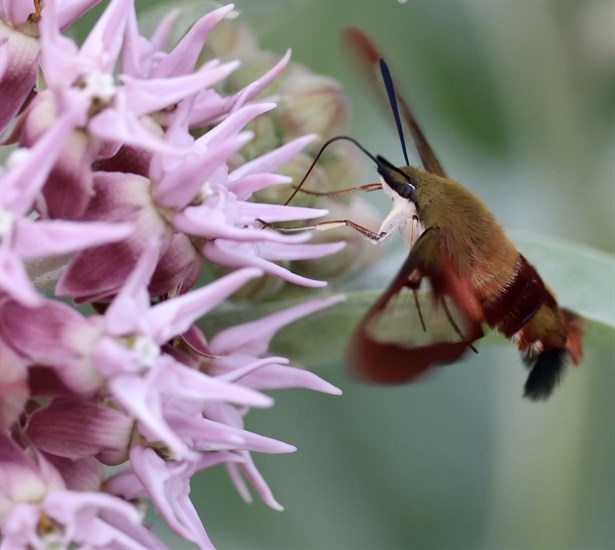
[[427, 317], [414, 319]]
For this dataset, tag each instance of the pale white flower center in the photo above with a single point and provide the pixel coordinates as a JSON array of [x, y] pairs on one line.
[[7, 220], [207, 190], [146, 351], [99, 86], [53, 537]]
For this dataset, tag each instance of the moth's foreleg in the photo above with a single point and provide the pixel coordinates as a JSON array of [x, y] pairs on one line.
[[373, 236]]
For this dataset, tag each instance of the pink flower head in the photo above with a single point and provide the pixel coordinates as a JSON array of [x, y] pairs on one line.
[[125, 185]]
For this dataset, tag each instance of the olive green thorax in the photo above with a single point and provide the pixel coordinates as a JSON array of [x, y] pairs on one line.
[[470, 230]]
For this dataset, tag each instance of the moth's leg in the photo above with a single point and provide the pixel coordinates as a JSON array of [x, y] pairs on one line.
[[418, 308], [454, 324], [326, 226]]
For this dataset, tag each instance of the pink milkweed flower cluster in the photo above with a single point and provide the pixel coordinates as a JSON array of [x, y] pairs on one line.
[[110, 200]]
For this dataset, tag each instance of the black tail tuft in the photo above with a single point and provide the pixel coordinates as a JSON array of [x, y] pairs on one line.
[[545, 374]]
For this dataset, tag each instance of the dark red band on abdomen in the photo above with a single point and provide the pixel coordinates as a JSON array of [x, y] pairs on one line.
[[511, 308]]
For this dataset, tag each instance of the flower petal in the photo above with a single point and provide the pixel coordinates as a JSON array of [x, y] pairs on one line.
[[142, 400], [245, 186], [154, 94], [183, 384], [254, 337], [208, 435], [19, 59], [184, 56], [99, 520], [84, 474], [14, 279], [68, 12], [232, 254], [23, 181], [13, 386], [270, 162], [50, 238], [174, 317], [20, 526], [104, 41], [248, 469], [212, 223], [54, 335], [289, 252], [78, 429], [26, 475], [255, 88], [168, 486], [274, 377], [180, 185], [133, 300], [279, 213]]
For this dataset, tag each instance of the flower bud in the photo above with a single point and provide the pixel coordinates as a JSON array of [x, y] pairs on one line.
[[343, 164], [230, 40], [313, 104], [265, 138]]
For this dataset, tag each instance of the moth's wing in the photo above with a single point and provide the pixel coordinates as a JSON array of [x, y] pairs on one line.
[[367, 57], [397, 340]]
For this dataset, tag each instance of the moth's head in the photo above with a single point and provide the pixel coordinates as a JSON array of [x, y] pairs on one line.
[[398, 183]]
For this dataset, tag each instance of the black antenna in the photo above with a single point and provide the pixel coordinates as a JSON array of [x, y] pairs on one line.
[[388, 83]]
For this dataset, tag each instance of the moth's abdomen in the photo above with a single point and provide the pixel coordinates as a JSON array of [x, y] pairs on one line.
[[514, 304], [526, 311]]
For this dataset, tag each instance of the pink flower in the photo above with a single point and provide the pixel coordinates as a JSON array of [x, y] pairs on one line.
[[20, 48], [123, 188], [23, 238], [37, 510]]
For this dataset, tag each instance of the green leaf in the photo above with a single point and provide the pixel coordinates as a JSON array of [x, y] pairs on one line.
[[582, 277]]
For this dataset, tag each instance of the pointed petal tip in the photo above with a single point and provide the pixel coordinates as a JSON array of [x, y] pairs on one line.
[[313, 283], [263, 401], [308, 138], [330, 389], [287, 448]]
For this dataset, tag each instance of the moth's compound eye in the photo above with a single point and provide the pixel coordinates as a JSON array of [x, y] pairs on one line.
[[406, 191]]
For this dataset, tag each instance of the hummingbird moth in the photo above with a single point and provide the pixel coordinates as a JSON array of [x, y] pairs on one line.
[[467, 271]]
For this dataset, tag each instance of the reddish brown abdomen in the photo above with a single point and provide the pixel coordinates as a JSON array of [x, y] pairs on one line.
[[526, 309], [509, 309]]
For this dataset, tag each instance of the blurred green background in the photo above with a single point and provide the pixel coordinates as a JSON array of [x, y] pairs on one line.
[[517, 97]]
